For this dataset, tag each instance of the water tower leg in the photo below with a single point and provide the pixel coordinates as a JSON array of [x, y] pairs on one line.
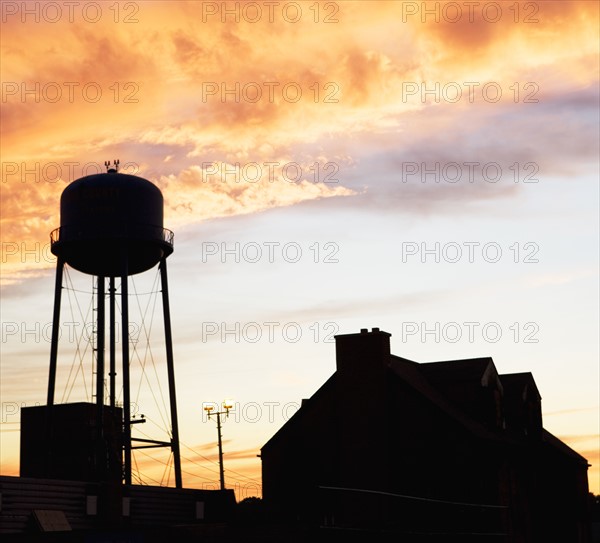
[[126, 397], [100, 449], [60, 264], [55, 330], [171, 372], [111, 343]]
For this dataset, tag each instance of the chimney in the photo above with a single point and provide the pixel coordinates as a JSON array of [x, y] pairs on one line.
[[364, 352], [361, 387]]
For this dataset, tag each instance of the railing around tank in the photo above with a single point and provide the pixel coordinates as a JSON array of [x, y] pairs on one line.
[[134, 231]]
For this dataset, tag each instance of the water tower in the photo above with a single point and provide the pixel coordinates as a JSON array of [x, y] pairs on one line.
[[111, 226]]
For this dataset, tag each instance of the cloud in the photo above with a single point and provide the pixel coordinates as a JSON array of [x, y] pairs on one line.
[[354, 109], [561, 278], [504, 36], [570, 411], [195, 194], [244, 454], [579, 438], [201, 193]]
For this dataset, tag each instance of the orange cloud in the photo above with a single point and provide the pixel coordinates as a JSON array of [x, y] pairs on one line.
[[199, 193], [182, 83], [30, 210]]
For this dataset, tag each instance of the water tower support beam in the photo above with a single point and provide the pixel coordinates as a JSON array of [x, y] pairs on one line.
[[171, 372], [126, 396], [60, 263], [100, 324], [111, 343]]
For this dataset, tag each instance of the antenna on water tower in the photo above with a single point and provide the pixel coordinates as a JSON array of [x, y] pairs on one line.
[[111, 226], [116, 166]]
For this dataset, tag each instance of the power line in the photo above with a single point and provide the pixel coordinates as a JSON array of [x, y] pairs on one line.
[[213, 462]]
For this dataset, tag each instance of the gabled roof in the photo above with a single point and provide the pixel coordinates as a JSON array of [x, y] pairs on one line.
[[439, 383], [325, 389], [452, 371], [517, 384], [552, 441], [412, 373]]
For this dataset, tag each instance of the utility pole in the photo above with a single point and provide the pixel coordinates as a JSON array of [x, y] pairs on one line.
[[226, 406]]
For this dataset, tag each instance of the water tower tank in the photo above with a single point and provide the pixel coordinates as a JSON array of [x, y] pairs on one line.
[[106, 217]]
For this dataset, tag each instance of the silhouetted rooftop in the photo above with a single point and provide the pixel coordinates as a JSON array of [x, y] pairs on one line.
[[562, 447], [469, 369], [514, 384]]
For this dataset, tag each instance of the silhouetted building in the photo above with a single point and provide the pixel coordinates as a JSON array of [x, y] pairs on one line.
[[391, 445], [73, 443]]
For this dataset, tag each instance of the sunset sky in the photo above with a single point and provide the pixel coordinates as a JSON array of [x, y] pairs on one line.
[[428, 168]]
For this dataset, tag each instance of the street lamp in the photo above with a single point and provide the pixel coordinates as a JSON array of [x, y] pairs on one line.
[[227, 405]]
